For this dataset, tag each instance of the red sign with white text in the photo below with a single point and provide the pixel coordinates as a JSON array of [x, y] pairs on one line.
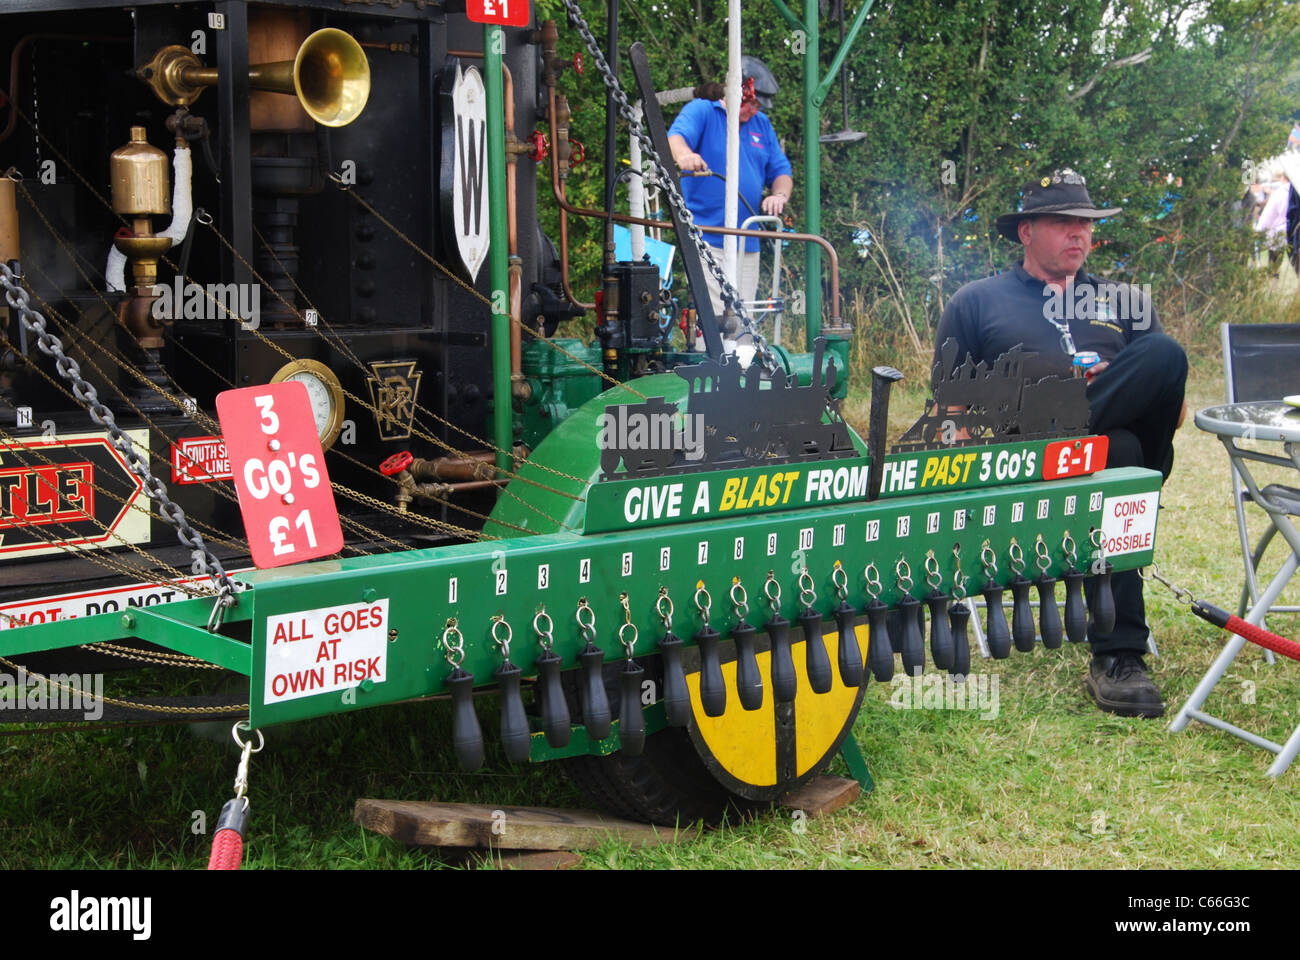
[[200, 460], [1074, 458], [505, 13], [279, 470]]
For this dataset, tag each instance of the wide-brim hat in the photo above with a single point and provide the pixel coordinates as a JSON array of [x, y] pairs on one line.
[[1061, 192]]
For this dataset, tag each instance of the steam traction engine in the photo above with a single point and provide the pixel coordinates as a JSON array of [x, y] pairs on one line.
[[210, 196]]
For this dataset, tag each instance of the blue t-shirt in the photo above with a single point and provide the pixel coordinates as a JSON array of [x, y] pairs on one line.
[[703, 125]]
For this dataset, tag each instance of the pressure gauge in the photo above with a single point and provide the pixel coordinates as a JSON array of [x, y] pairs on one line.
[[323, 390]]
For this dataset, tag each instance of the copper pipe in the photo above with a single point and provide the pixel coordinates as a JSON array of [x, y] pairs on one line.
[[557, 189], [518, 385], [468, 54], [12, 92], [478, 484]]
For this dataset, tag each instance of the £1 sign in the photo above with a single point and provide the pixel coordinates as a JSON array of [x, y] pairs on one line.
[[506, 13], [279, 470]]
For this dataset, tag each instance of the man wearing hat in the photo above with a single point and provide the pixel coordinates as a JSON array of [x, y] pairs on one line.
[[698, 140], [1050, 305]]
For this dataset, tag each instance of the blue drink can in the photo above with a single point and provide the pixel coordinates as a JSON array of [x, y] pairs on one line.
[[1084, 361]]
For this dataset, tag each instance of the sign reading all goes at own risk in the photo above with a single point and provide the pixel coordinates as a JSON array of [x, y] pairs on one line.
[[327, 649]]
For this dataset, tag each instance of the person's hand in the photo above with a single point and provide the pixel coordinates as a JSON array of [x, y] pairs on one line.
[[774, 203], [692, 161], [1091, 373]]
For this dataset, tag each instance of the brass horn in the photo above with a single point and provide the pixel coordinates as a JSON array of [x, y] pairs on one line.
[[330, 76]]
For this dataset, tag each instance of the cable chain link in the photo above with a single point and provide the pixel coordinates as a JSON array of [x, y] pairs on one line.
[[205, 561]]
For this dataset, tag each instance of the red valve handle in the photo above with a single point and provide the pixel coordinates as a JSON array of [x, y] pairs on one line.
[[541, 146], [578, 64], [396, 463], [577, 152]]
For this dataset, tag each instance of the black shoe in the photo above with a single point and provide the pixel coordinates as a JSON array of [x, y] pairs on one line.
[[1119, 683]]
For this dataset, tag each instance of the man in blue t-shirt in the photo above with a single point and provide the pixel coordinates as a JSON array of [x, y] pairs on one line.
[[698, 139]]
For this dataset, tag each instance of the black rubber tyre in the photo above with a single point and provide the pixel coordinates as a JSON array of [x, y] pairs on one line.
[[667, 784]]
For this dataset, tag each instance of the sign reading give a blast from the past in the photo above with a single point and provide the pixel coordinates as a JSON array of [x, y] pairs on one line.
[[279, 470], [326, 649]]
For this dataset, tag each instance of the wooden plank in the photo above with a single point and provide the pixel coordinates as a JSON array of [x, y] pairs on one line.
[[822, 795], [500, 828]]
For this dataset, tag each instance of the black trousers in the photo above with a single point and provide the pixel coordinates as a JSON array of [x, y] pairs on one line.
[[1136, 402]]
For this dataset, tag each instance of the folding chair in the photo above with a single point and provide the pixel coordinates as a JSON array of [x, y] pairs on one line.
[[1259, 363], [1268, 421]]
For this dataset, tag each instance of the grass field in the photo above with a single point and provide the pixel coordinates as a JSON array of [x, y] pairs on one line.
[[1048, 782]]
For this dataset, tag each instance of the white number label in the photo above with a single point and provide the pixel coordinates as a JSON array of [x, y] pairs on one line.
[[738, 551], [990, 515], [1094, 501], [1069, 505], [1017, 512], [806, 538], [1043, 507], [664, 554], [627, 564], [904, 526], [959, 519], [873, 530], [501, 583], [451, 589], [584, 570], [703, 553], [543, 576], [932, 523], [771, 544], [837, 536]]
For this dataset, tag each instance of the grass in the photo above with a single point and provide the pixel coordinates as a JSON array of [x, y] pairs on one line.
[[1049, 782]]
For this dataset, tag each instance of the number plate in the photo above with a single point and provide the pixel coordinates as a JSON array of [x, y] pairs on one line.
[[279, 470], [507, 13], [1074, 458]]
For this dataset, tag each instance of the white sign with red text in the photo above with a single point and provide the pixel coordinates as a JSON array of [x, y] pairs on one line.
[[1129, 523], [326, 649], [70, 606]]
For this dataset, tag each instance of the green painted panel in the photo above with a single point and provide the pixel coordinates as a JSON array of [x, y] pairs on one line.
[[474, 582]]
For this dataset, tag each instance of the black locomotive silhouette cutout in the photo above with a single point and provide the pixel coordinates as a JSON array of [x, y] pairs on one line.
[[742, 422], [1000, 403]]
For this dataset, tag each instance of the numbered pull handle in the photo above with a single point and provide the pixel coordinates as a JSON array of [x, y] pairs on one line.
[[1103, 601], [850, 653], [913, 638], [677, 701], [713, 691], [514, 723], [595, 702], [554, 708], [941, 648], [999, 636], [817, 663], [1076, 611], [880, 650], [1049, 618], [749, 683], [631, 721], [466, 734], [784, 687], [958, 618], [1022, 615]]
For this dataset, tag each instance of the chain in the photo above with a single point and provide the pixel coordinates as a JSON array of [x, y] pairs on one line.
[[729, 295], [36, 112], [205, 561], [159, 658], [150, 707]]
